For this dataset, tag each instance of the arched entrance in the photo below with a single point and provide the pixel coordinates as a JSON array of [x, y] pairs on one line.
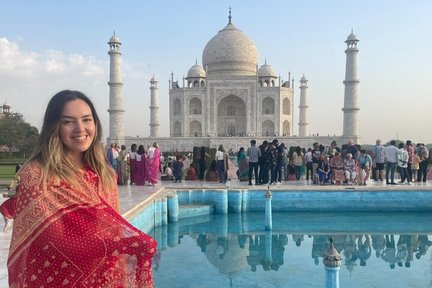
[[231, 117]]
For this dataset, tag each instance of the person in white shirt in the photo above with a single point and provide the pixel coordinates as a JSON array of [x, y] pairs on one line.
[[391, 155], [403, 163]]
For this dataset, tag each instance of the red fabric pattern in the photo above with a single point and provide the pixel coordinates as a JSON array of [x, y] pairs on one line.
[[72, 237]]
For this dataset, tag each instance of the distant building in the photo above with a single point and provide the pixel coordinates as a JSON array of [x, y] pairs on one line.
[[229, 95], [230, 99]]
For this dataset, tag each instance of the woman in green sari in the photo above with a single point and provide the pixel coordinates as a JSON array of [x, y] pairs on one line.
[[243, 165]]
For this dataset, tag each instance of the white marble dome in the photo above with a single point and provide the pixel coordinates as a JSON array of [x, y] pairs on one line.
[[266, 71], [230, 52], [196, 71], [352, 37], [114, 39]]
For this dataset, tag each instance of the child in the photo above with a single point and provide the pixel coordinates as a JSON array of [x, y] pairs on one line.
[[178, 169]]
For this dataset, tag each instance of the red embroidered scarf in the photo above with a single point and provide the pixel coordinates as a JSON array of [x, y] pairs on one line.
[[74, 237]]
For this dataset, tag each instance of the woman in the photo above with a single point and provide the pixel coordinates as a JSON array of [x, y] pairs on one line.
[[8, 207], [191, 173], [153, 164], [350, 168], [68, 231], [202, 163], [132, 159], [222, 163], [337, 167], [123, 166], [140, 166], [212, 174], [243, 165]]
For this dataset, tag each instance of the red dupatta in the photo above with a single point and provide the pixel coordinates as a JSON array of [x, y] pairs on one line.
[[74, 237]]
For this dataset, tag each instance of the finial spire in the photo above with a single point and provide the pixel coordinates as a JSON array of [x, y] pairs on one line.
[[229, 17], [196, 61]]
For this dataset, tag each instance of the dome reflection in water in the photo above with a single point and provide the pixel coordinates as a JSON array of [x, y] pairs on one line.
[[377, 250]]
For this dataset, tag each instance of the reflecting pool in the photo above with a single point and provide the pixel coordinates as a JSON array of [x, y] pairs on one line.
[[378, 250]]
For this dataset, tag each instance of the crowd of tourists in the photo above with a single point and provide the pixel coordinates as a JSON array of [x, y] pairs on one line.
[[272, 163]]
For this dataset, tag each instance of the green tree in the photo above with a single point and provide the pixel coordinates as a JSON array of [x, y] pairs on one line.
[[17, 134]]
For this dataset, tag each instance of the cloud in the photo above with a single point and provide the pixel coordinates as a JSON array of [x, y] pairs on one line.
[[29, 79]]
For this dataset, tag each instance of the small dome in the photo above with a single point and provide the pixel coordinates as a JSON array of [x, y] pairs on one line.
[[266, 71], [6, 106], [303, 79], [196, 71], [114, 39], [352, 37]]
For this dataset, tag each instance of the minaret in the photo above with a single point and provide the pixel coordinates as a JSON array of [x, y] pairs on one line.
[[154, 108], [116, 109], [351, 105], [303, 117]]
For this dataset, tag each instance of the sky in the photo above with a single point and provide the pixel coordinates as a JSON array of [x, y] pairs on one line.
[[47, 46]]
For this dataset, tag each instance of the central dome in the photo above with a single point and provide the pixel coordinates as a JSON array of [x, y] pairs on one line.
[[230, 52]]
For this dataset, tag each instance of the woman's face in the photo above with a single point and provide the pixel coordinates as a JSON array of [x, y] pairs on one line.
[[77, 128]]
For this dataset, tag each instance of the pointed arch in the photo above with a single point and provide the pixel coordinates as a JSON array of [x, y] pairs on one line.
[[177, 107], [195, 106], [286, 106], [286, 128], [195, 128], [268, 106], [268, 128]]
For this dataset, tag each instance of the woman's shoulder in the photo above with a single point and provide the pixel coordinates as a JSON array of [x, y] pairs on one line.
[[30, 170]]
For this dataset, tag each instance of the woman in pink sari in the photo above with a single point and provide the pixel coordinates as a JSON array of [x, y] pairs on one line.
[[68, 231], [153, 164]]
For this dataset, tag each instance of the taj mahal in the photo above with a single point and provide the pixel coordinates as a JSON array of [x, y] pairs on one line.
[[231, 99]]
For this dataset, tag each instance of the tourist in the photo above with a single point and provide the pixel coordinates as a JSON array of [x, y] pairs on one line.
[[274, 168], [297, 160], [324, 171], [423, 153], [309, 164], [316, 159], [243, 165], [212, 174], [132, 159], [191, 173], [221, 158], [168, 171], [153, 164], [123, 166], [263, 173], [350, 169], [253, 153], [353, 149], [391, 155], [177, 168], [403, 163], [415, 166], [365, 163], [112, 154], [76, 234], [8, 207], [379, 159], [337, 167], [283, 163], [202, 163], [140, 166], [410, 149]]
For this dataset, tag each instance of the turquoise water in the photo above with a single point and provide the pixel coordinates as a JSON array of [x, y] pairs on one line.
[[378, 250]]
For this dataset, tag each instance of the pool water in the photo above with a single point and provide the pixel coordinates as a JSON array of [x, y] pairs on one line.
[[378, 250]]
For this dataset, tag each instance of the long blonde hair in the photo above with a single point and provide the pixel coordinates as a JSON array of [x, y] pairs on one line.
[[50, 151]]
